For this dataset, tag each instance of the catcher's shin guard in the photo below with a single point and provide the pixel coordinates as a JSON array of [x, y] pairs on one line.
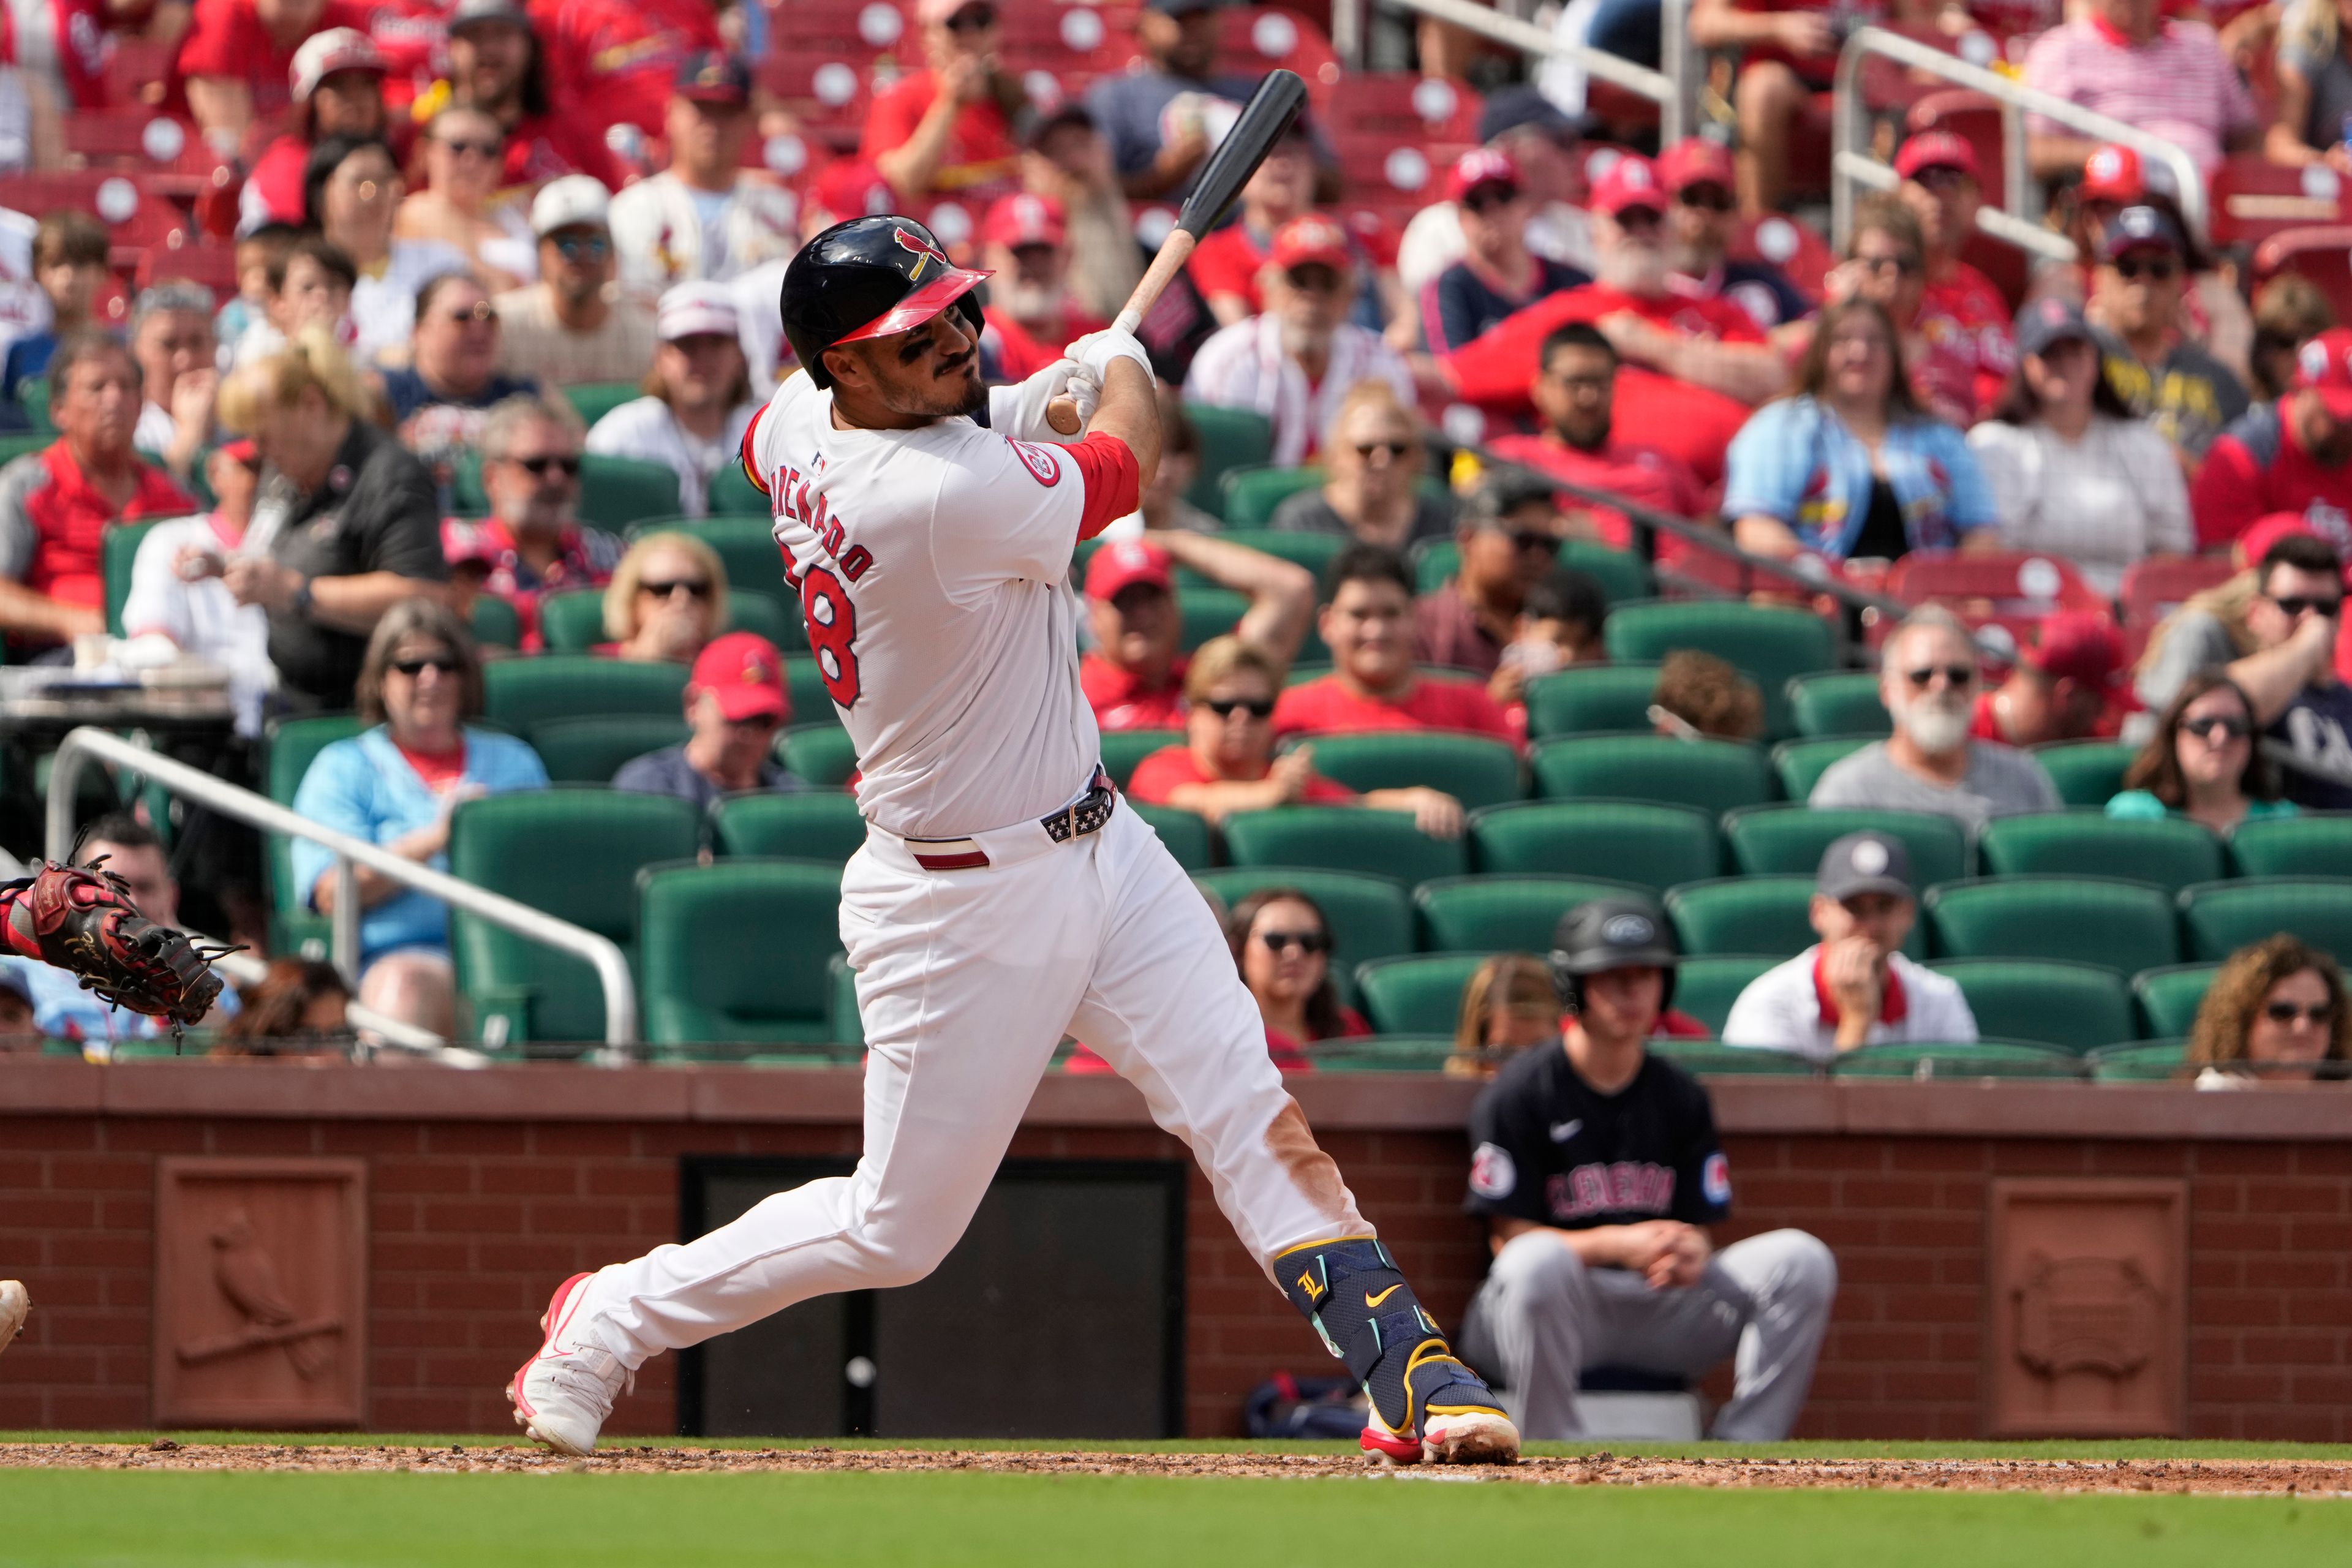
[[1425, 1404]]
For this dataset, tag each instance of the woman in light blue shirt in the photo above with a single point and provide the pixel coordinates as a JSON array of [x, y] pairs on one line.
[[1849, 466], [2204, 762], [395, 785]]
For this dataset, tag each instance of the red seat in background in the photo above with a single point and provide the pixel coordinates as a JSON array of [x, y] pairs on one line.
[[2153, 589], [2253, 199], [2323, 254]]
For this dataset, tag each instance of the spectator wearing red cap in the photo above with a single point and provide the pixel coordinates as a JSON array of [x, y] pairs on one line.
[[2313, 88], [1067, 158], [236, 63], [338, 81], [2291, 455], [1294, 363], [1369, 626], [1548, 149], [706, 218], [1229, 265], [697, 401], [735, 703], [1714, 357], [1962, 317], [1575, 395], [2156, 368], [2072, 684], [615, 62], [947, 130], [2072, 472], [176, 590], [532, 544], [1135, 680], [572, 326], [2122, 59], [1030, 315], [1698, 174], [498, 62], [1497, 275]]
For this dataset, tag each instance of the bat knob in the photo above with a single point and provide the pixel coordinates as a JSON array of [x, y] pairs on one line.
[[1061, 414]]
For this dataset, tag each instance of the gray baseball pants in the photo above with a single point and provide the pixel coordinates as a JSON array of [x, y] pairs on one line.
[[1542, 1317]]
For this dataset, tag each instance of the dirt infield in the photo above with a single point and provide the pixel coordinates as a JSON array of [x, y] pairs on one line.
[[2238, 1477]]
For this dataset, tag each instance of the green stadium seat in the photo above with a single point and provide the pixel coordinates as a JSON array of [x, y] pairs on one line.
[[1715, 1059], [522, 693], [615, 492], [1371, 917], [733, 494], [2087, 773], [119, 550], [591, 751], [807, 824], [2123, 926], [1420, 995], [737, 953], [2169, 998], [2222, 917], [821, 754], [1123, 749], [1208, 613], [594, 399], [2170, 852], [1250, 495], [2315, 844], [1837, 702], [1382, 1053], [574, 852], [1987, 1059], [1312, 550], [1756, 916], [292, 745], [495, 622], [1591, 699], [1707, 985], [1801, 764], [2138, 1061], [1715, 776], [848, 1028], [1475, 770], [1789, 840], [571, 621], [1230, 438], [1498, 912], [1632, 841], [2074, 1007], [1343, 839], [1185, 833], [1769, 643]]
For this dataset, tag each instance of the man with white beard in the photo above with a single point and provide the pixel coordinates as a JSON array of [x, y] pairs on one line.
[[1030, 315], [1928, 679]]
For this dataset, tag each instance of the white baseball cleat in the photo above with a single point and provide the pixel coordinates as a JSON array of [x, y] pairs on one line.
[[562, 1394], [14, 1302]]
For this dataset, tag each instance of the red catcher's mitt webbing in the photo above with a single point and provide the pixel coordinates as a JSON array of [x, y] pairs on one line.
[[80, 919]]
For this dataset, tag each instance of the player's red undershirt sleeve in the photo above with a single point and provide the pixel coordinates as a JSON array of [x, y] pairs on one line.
[[1111, 479], [744, 455]]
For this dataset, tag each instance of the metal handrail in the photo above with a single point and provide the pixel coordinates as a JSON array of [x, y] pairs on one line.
[[1673, 89], [601, 953], [2016, 220]]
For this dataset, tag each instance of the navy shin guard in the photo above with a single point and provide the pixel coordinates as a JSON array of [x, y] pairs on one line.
[[1357, 1301]]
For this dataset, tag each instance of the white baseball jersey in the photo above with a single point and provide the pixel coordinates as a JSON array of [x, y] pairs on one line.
[[933, 568]]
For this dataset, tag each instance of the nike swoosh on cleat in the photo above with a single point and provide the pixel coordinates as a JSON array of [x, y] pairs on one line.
[[1373, 1301]]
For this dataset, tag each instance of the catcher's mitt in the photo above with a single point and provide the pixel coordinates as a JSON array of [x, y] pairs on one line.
[[80, 919]]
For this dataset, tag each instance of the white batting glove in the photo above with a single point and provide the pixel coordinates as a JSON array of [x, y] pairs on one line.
[[1097, 350], [1019, 410], [1085, 389]]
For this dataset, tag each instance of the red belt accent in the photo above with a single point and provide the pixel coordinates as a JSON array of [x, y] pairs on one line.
[[963, 862]]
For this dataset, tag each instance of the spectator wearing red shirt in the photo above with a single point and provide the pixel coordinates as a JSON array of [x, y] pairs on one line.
[[947, 130], [1497, 274], [1575, 394], [613, 61], [533, 543], [1508, 540], [56, 505], [1136, 681], [1030, 315], [1369, 626], [338, 80], [1226, 264], [2072, 684], [2291, 455], [1963, 319], [497, 65], [235, 64], [1698, 174]]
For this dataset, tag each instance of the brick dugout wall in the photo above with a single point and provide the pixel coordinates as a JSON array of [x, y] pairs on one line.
[[485, 1188]]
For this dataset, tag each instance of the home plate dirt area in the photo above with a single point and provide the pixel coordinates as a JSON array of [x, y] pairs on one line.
[[2279, 1478]]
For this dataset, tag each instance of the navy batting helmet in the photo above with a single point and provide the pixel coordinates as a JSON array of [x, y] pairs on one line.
[[869, 278], [1611, 934]]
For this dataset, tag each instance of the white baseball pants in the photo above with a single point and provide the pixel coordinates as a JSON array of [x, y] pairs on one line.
[[967, 981]]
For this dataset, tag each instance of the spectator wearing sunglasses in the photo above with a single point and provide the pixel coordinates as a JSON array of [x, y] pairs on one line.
[[1546, 147], [1962, 316], [441, 396], [2275, 1011], [2289, 678], [1374, 459], [1135, 678], [572, 326], [1927, 679], [2160, 371], [697, 396], [735, 706], [1508, 541], [176, 590], [667, 600], [397, 785], [1697, 174], [2293, 455], [1227, 762], [1497, 273], [947, 130], [533, 543], [2202, 763], [463, 204], [1283, 945]]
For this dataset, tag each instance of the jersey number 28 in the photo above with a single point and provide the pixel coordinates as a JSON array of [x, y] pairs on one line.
[[831, 633]]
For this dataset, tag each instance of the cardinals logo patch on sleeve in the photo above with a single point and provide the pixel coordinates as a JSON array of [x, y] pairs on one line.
[[1040, 463]]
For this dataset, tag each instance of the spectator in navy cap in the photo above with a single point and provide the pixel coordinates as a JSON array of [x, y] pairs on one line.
[[2144, 262], [659, 227], [1161, 122]]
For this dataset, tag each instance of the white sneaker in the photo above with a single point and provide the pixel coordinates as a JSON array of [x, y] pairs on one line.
[[562, 1396], [14, 1302]]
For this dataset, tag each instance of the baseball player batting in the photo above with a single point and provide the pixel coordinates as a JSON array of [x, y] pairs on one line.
[[1003, 898]]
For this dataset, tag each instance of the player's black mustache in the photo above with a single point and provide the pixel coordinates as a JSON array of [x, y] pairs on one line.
[[955, 367]]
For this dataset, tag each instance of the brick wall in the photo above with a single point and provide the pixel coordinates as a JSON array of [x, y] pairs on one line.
[[485, 1189]]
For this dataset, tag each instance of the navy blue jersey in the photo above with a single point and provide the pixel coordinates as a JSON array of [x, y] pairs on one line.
[[1550, 1148]]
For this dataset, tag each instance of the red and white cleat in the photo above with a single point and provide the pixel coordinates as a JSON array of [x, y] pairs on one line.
[[14, 1304], [562, 1396], [1459, 1423]]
